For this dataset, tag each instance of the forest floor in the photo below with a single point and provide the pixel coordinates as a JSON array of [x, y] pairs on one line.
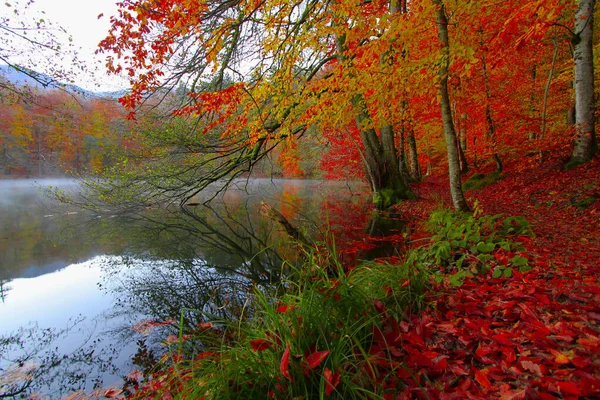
[[535, 335]]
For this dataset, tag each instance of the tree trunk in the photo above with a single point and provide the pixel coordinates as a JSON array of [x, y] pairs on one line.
[[462, 159], [463, 131], [380, 157], [403, 166], [462, 143], [586, 144], [458, 197], [415, 170], [533, 102], [459, 127], [388, 185]]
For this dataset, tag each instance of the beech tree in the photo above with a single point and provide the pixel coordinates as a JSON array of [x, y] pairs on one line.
[[251, 78], [586, 144], [285, 47], [458, 198]]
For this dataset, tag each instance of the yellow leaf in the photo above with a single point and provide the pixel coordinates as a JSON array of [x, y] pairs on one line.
[[562, 359]]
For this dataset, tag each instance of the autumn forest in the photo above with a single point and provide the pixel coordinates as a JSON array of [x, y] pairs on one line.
[[472, 121]]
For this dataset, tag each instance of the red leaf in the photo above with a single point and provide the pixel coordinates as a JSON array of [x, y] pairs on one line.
[[569, 388], [590, 342], [331, 381], [284, 309], [260, 344], [547, 396], [379, 306], [503, 340], [316, 358], [518, 395], [590, 386], [283, 365], [482, 379]]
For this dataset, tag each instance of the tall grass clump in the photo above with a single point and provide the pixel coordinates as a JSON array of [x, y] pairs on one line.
[[321, 336], [331, 332]]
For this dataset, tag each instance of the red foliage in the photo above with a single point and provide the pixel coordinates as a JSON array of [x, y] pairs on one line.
[[331, 380], [260, 344], [283, 365], [314, 359], [343, 161], [535, 335]]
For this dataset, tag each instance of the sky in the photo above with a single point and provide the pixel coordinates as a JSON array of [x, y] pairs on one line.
[[80, 19]]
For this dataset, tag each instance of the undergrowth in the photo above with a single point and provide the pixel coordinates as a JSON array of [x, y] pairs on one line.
[[479, 180], [331, 332]]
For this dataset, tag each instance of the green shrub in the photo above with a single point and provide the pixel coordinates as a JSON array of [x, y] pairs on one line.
[[467, 244]]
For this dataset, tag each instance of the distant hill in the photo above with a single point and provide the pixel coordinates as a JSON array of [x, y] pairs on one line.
[[46, 82]]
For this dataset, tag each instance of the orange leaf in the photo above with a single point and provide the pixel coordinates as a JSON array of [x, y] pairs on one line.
[[112, 392]]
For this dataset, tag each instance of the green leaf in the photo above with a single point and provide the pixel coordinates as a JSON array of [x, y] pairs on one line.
[[525, 268], [497, 273], [518, 261], [457, 279], [485, 247], [508, 272], [442, 251], [484, 258]]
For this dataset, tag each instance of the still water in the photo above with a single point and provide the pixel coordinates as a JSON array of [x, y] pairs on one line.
[[80, 293]]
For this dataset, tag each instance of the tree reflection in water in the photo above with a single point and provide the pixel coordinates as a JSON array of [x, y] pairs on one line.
[[31, 359], [202, 258]]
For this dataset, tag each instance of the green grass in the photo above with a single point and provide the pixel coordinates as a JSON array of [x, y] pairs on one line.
[[268, 350], [321, 308]]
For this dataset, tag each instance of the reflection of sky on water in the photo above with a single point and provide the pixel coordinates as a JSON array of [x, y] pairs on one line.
[[72, 300], [89, 303], [53, 298]]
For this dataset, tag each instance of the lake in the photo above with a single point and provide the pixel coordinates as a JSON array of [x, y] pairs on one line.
[[86, 299]]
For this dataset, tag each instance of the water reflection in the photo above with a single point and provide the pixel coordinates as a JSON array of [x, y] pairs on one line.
[[146, 265]]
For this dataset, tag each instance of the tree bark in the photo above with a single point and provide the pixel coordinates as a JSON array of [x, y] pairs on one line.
[[388, 185], [458, 197], [380, 157], [415, 170], [403, 165], [586, 144]]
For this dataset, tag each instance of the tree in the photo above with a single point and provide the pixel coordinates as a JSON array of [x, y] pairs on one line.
[[255, 77], [586, 144], [284, 91], [458, 198], [36, 47]]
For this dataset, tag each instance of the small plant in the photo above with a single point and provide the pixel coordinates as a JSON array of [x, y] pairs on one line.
[[466, 244]]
